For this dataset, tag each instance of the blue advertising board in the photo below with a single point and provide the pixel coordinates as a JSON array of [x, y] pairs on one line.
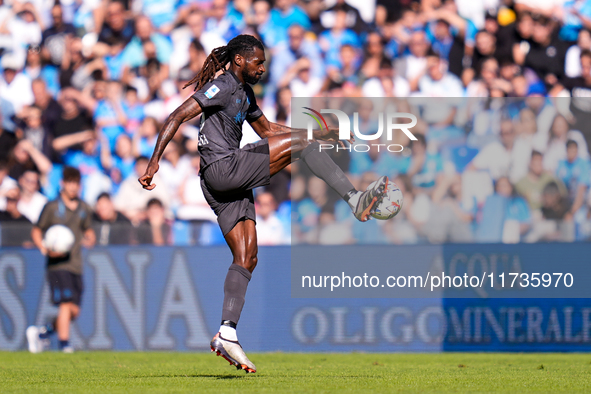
[[167, 298]]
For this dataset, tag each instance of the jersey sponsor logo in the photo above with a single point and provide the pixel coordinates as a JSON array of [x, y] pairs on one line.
[[212, 91], [238, 101]]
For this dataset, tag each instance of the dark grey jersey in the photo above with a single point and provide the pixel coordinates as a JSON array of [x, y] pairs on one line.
[[226, 104]]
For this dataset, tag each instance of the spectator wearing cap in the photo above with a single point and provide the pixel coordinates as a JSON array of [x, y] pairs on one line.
[[54, 37], [14, 85]]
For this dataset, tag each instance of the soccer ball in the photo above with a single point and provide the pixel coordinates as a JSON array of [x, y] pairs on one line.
[[59, 239], [391, 204]]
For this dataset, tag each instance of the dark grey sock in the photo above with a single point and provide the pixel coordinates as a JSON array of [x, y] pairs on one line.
[[324, 168], [234, 291]]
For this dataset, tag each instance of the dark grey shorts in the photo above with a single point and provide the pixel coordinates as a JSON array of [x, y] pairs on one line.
[[227, 183], [65, 287]]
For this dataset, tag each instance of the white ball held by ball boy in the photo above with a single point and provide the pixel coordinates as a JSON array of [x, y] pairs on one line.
[[59, 239]]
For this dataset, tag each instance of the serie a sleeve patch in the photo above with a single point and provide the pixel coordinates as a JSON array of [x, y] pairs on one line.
[[212, 91]]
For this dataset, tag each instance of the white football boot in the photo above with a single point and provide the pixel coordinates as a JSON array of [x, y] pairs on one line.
[[370, 198], [36, 344], [232, 352]]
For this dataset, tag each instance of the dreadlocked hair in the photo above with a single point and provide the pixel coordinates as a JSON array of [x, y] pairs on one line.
[[219, 58]]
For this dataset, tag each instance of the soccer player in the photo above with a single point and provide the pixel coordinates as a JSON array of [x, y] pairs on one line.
[[64, 271], [228, 173]]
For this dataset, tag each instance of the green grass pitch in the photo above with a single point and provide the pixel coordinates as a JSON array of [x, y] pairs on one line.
[[112, 372]]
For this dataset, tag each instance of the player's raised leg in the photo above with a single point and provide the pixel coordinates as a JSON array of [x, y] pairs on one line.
[[283, 148], [242, 241]]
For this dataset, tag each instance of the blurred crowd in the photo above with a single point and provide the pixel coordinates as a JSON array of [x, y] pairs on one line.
[[87, 83], [500, 170]]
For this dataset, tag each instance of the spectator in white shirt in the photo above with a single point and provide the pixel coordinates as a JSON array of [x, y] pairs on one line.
[[269, 227], [132, 200], [386, 83], [194, 206], [438, 81], [572, 62], [14, 85], [300, 80], [414, 65], [182, 37], [6, 184], [509, 157], [174, 169], [31, 202]]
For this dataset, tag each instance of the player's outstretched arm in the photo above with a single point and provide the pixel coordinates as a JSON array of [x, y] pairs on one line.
[[185, 112]]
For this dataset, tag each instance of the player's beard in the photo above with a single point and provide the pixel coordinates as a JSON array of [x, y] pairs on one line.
[[251, 79]]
